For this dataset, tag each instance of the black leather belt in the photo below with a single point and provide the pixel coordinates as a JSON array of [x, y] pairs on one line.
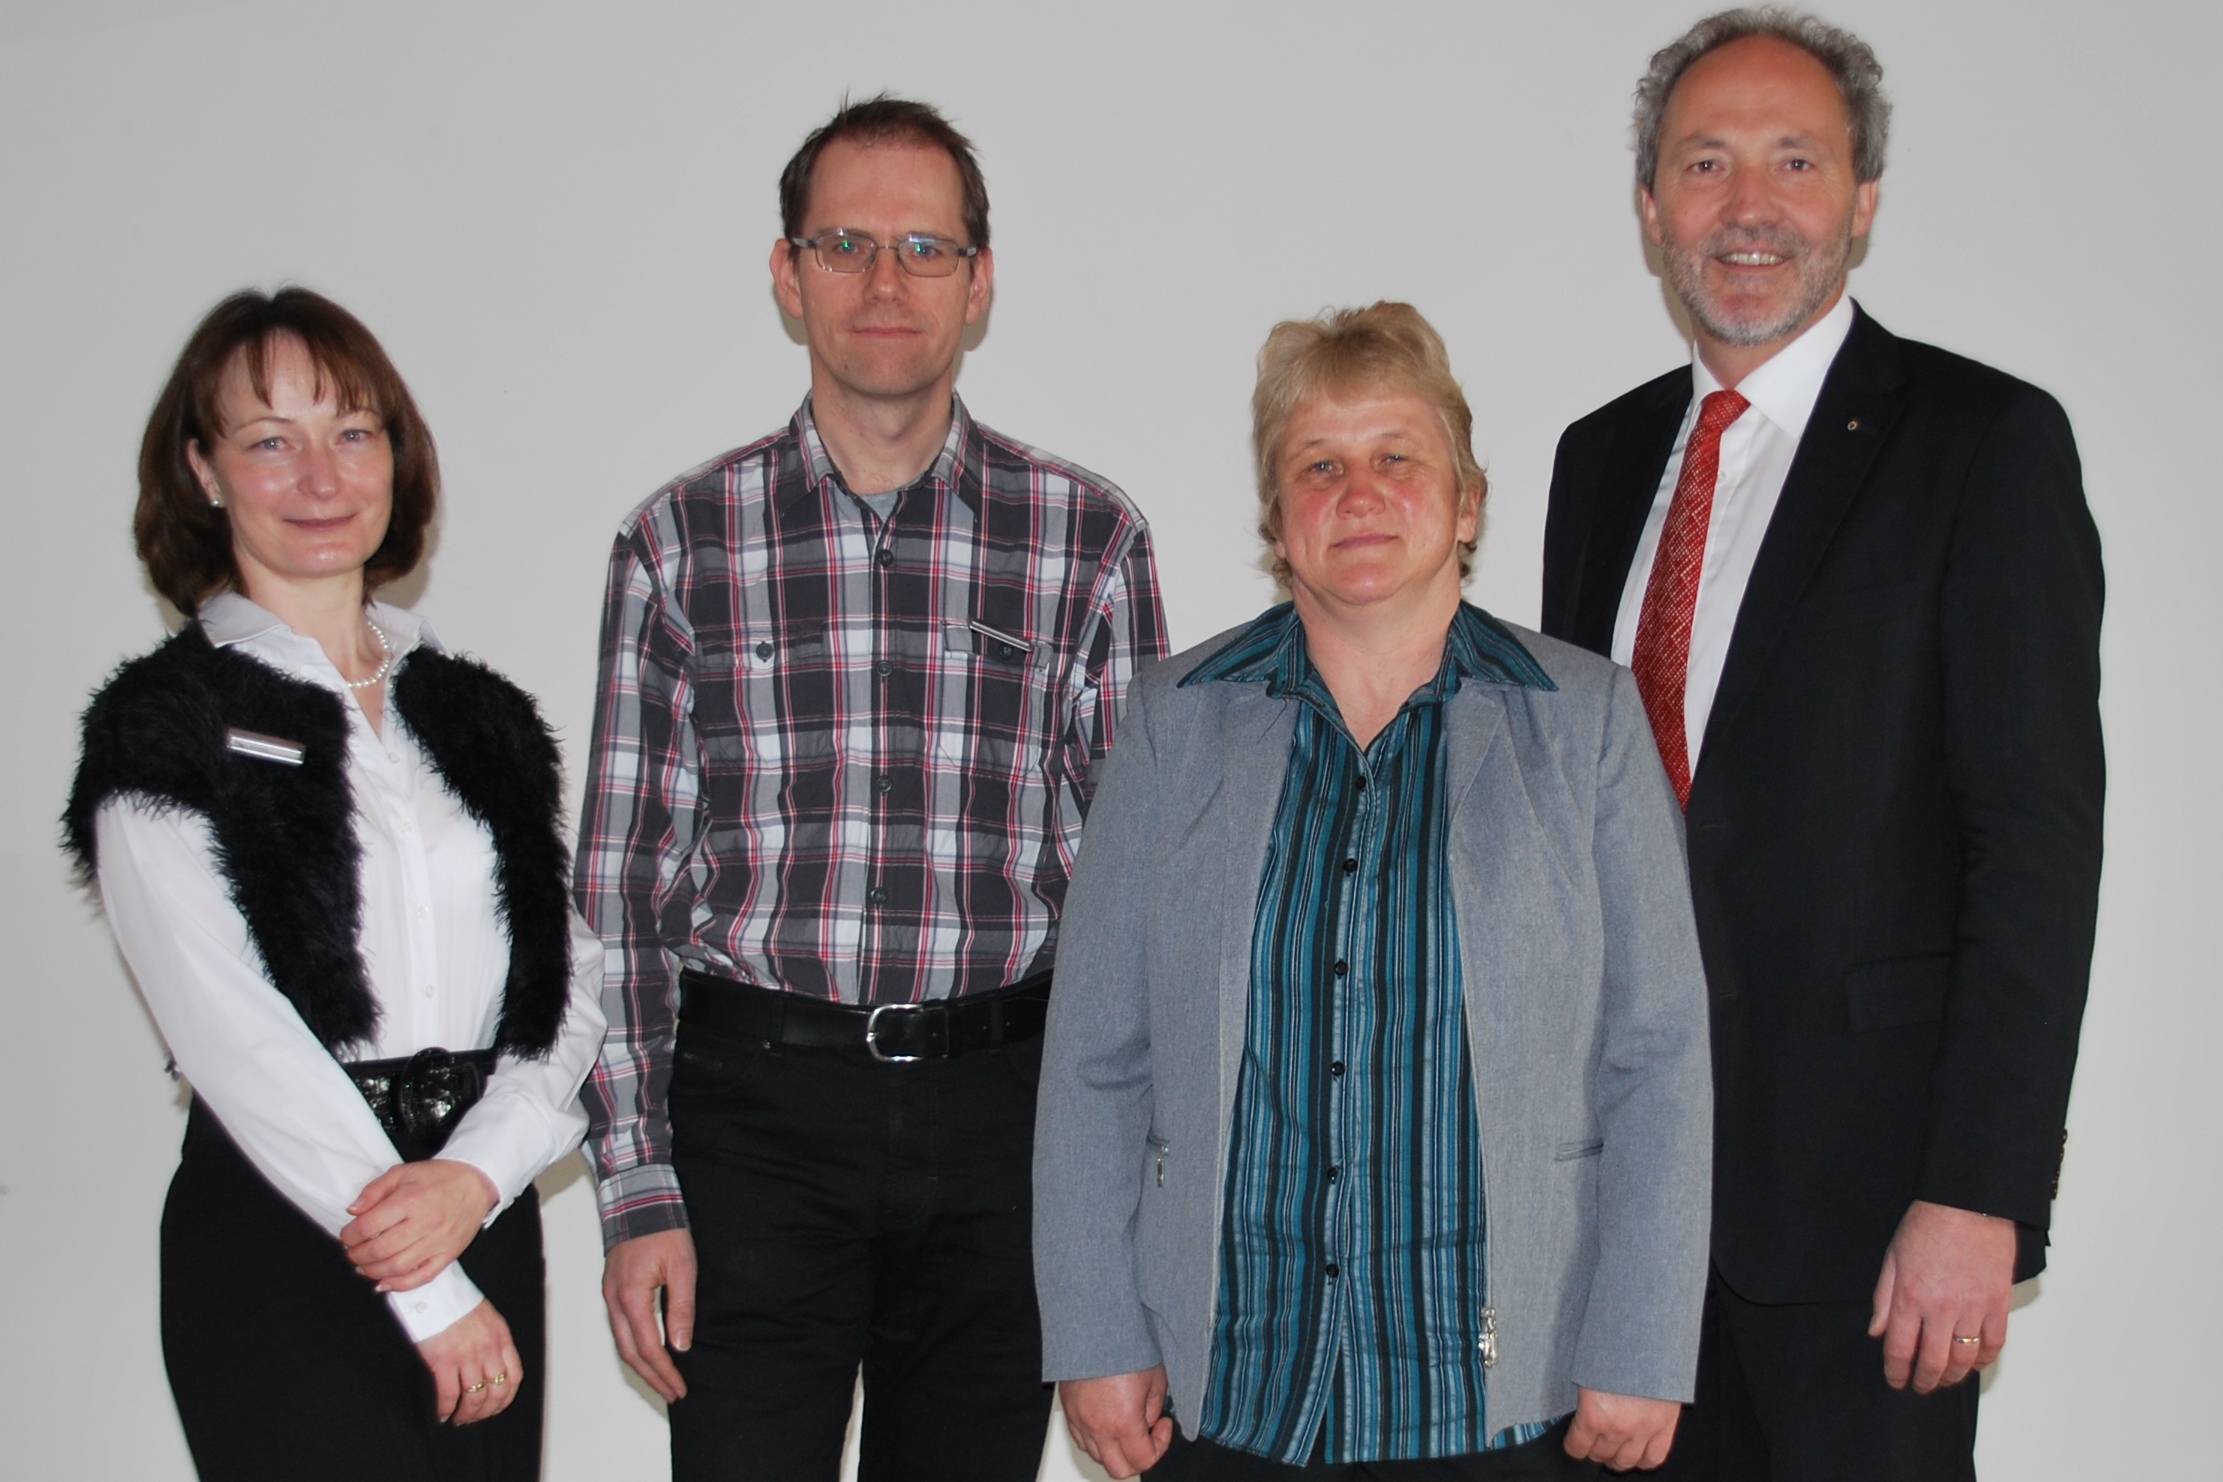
[[896, 1033], [420, 1098]]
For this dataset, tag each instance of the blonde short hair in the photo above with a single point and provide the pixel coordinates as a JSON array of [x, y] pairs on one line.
[[1383, 348]]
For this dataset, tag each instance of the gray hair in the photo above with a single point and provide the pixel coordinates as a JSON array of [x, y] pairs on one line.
[[1848, 59]]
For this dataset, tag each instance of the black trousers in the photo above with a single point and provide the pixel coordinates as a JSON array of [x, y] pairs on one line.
[[285, 1363], [847, 1214], [1543, 1458], [1796, 1394]]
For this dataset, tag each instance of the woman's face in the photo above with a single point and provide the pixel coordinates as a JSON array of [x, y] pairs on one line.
[[1372, 515], [307, 484]]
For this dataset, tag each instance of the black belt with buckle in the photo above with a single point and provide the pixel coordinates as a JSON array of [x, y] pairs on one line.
[[895, 1033], [419, 1098]]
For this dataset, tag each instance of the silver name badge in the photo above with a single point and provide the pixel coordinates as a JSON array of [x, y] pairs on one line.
[[264, 748]]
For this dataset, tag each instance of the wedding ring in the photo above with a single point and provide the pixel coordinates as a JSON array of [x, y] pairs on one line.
[[1958, 1339], [502, 1378], [472, 1389]]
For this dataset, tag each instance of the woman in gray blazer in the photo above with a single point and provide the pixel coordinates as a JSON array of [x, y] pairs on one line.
[[1375, 1109]]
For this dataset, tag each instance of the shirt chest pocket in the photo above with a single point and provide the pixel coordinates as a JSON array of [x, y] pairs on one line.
[[768, 698], [998, 706]]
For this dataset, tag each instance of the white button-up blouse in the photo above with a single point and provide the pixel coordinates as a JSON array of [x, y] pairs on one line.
[[434, 949]]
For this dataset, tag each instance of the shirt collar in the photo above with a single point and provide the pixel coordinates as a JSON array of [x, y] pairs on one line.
[[1270, 650], [1786, 386], [230, 620], [945, 473]]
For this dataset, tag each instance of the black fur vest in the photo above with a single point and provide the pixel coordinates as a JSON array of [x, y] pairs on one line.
[[285, 835]]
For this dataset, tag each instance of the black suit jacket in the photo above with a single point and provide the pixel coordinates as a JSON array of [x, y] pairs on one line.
[[1894, 828]]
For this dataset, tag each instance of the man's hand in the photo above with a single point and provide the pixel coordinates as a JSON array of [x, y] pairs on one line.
[[631, 1277], [1622, 1431], [475, 1367], [414, 1218], [1946, 1277], [1120, 1420]]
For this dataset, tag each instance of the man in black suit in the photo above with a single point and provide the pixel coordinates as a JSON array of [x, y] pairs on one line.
[[1861, 591]]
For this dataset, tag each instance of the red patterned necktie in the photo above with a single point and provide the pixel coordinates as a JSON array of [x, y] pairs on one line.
[[1662, 656]]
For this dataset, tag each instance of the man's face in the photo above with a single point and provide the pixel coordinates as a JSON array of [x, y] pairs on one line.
[[1754, 208], [882, 335]]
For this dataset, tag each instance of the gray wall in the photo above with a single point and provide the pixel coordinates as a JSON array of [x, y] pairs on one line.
[[557, 217]]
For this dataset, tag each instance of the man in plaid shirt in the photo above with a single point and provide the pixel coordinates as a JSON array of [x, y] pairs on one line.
[[855, 679]]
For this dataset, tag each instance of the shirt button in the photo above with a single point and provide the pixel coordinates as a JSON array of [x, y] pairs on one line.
[[1350, 866], [885, 557], [408, 826], [1333, 1270], [1342, 968], [1334, 1173], [1361, 782], [764, 650], [428, 990], [883, 782], [1335, 1068], [883, 668], [877, 895]]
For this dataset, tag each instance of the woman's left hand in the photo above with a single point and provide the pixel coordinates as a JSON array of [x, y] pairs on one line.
[[414, 1218]]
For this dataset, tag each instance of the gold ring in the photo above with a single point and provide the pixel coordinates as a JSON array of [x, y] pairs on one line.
[[472, 1389], [1958, 1339], [502, 1378]]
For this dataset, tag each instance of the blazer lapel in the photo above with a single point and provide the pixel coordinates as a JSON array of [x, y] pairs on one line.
[[1860, 402], [1254, 746], [1472, 725], [1627, 487]]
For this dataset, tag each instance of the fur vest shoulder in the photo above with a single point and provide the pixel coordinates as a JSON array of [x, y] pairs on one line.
[[284, 836]]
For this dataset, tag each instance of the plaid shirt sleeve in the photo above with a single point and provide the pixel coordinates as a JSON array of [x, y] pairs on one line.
[[635, 836], [1130, 632]]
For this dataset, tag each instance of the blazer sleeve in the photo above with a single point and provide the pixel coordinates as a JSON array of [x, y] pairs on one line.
[[1095, 1100], [2019, 625], [1654, 1085]]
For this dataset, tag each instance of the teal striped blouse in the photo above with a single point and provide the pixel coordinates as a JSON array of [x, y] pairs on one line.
[[1353, 1321]]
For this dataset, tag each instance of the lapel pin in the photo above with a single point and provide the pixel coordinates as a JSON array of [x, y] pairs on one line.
[[1853, 425]]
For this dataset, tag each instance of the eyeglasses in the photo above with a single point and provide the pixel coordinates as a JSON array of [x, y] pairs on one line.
[[843, 251]]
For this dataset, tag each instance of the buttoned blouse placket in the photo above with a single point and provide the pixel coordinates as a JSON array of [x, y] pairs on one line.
[[388, 773]]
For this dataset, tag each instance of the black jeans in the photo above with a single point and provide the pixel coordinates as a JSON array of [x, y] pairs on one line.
[[852, 1213], [1796, 1394], [1543, 1458]]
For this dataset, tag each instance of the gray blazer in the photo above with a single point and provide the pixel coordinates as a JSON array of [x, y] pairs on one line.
[[1585, 1004]]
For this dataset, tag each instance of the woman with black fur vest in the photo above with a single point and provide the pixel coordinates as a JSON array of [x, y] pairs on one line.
[[330, 854]]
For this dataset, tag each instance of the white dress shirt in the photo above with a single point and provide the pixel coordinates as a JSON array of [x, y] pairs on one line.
[[433, 946], [1756, 453]]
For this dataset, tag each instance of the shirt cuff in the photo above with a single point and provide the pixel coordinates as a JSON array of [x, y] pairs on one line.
[[437, 1305], [637, 1201], [510, 1140]]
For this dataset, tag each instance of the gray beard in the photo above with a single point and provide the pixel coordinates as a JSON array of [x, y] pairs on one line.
[[1821, 273]]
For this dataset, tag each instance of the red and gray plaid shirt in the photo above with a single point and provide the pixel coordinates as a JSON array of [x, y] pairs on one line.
[[840, 756]]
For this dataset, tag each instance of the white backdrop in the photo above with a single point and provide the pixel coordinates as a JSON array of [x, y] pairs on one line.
[[556, 217]]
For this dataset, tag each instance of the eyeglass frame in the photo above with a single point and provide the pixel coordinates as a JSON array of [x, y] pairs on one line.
[[955, 248]]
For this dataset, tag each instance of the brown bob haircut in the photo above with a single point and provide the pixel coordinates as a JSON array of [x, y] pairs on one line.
[[882, 119], [1386, 348], [186, 542]]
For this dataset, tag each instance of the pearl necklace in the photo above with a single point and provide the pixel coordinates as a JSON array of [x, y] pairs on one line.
[[384, 668]]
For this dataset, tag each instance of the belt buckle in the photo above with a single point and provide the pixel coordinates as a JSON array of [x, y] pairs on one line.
[[872, 1032]]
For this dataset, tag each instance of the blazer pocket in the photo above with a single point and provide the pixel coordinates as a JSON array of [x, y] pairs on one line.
[[1897, 992], [1588, 1147]]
